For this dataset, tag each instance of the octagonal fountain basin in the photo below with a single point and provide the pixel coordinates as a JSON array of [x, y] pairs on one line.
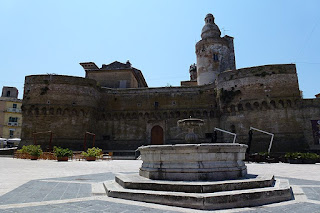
[[193, 162]]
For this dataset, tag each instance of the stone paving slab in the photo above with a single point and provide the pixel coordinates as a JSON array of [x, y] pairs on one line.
[[99, 177], [84, 207], [18, 176], [312, 193], [294, 208], [37, 191]]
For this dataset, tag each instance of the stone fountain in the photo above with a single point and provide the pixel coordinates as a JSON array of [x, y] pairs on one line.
[[193, 161], [190, 124], [200, 176]]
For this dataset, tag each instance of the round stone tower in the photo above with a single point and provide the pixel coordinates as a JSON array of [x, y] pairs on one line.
[[215, 54]]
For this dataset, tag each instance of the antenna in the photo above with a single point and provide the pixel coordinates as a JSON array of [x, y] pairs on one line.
[[224, 31]]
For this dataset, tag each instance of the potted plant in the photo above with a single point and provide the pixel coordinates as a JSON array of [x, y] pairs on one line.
[[34, 151], [23, 152], [62, 154], [310, 158], [92, 153]]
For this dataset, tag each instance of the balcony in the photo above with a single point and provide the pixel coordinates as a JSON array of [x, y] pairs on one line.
[[13, 124], [16, 110]]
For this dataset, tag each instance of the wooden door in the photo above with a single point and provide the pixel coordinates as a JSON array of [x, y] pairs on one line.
[[157, 135]]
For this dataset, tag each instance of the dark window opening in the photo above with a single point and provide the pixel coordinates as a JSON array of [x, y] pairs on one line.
[[13, 119], [8, 94], [14, 106], [11, 133], [156, 104], [215, 57]]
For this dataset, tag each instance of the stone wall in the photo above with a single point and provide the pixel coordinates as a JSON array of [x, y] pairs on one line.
[[62, 104], [111, 79], [265, 97], [129, 115]]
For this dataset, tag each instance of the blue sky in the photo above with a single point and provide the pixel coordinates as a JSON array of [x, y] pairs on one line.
[[158, 37]]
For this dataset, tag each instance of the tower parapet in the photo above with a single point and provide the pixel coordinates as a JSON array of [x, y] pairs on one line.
[[215, 54]]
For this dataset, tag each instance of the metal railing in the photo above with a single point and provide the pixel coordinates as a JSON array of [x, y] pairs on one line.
[[14, 110], [13, 124], [268, 133], [225, 131]]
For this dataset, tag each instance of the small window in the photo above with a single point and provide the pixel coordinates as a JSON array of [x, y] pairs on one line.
[[8, 94], [215, 57], [173, 102], [13, 119], [156, 104], [11, 133], [14, 106]]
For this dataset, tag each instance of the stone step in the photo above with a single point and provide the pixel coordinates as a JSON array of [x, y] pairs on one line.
[[281, 191], [135, 181], [97, 189]]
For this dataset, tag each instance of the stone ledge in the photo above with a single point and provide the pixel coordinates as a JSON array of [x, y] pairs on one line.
[[194, 174], [204, 147], [135, 181]]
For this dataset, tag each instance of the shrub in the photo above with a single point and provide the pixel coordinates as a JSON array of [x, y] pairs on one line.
[[33, 150], [311, 156], [299, 155], [61, 152], [25, 149], [264, 154], [92, 152]]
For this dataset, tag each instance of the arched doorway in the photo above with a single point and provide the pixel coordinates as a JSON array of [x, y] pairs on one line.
[[157, 135]]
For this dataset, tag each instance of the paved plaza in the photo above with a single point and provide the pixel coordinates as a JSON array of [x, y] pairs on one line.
[[76, 186]]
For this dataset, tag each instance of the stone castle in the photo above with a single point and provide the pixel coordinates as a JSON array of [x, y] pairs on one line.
[[115, 103]]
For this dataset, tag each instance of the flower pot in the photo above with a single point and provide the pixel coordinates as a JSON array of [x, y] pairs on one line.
[[32, 157], [272, 160], [309, 161], [90, 158], [295, 161], [65, 158]]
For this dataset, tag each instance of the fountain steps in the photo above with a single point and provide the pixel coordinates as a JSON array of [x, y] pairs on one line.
[[213, 195], [135, 181]]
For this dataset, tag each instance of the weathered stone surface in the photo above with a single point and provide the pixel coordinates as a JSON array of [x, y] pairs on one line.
[[281, 191], [193, 161], [135, 181]]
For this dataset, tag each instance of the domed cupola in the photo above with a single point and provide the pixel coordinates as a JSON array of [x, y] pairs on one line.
[[210, 29]]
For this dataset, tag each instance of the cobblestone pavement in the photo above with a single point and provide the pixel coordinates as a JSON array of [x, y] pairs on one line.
[[76, 186]]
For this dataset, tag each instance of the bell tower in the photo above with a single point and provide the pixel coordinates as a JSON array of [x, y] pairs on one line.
[[215, 54]]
